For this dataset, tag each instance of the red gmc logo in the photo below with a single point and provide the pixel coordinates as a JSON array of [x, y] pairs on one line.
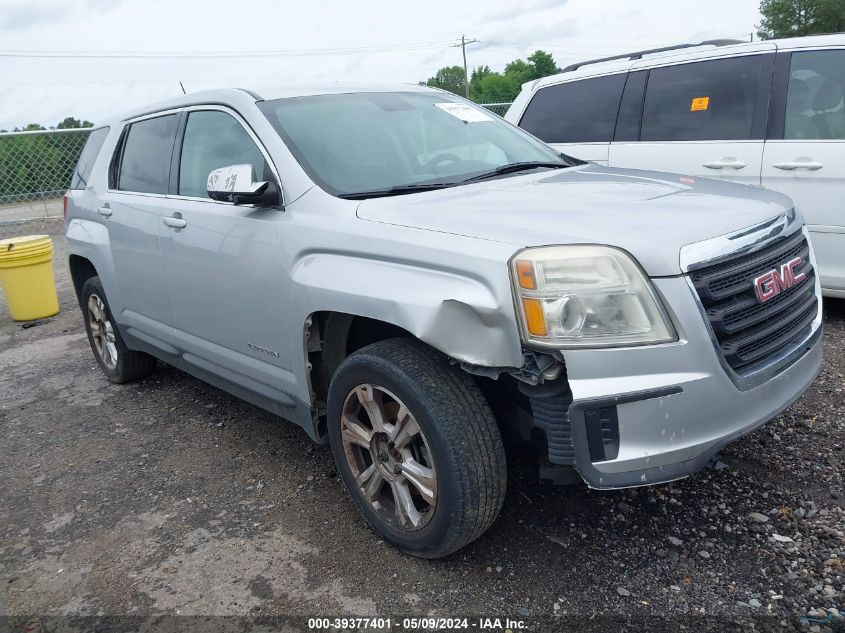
[[772, 283]]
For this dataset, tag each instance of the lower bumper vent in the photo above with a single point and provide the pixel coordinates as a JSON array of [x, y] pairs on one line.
[[552, 415]]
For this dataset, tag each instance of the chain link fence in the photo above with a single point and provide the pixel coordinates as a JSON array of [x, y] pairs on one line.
[[38, 165], [498, 108]]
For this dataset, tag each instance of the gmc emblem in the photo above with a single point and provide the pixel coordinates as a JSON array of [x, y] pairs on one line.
[[772, 283]]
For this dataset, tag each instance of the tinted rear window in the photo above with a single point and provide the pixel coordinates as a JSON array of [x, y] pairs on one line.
[[575, 112], [145, 166], [92, 148], [701, 101]]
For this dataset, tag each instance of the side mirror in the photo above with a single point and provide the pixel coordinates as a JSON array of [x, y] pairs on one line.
[[237, 184]]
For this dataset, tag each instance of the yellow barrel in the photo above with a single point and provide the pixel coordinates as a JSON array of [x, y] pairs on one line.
[[26, 275]]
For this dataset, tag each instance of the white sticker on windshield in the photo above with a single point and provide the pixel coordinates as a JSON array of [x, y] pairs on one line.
[[464, 112]]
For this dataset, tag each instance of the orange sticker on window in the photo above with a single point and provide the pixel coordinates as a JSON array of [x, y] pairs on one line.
[[699, 103]]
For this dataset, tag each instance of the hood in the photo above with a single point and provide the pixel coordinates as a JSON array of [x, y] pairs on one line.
[[649, 214]]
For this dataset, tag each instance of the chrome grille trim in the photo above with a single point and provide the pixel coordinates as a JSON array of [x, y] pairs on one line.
[[741, 242], [769, 356]]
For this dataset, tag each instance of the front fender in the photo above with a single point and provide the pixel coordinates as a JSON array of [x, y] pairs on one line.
[[462, 315]]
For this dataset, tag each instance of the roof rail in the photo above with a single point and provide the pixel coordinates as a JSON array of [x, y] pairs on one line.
[[639, 54]]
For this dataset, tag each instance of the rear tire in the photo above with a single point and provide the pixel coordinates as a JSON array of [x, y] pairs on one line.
[[416, 446], [119, 363]]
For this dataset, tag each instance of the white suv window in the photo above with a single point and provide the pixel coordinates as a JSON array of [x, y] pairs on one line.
[[575, 112], [701, 101], [815, 98]]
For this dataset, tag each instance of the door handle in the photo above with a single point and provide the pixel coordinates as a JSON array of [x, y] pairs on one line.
[[725, 163], [104, 211], [798, 164], [175, 223]]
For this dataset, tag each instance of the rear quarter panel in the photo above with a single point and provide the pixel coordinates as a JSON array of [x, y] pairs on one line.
[[86, 234]]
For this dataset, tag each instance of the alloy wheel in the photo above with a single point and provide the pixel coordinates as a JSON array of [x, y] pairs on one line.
[[102, 331], [389, 457]]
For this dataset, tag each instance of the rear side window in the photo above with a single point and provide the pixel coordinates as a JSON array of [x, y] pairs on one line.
[[145, 164], [815, 98], [89, 154], [575, 112], [701, 101], [212, 140]]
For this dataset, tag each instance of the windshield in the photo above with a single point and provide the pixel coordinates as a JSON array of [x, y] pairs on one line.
[[364, 142]]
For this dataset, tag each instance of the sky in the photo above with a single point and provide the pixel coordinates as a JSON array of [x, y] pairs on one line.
[[92, 59]]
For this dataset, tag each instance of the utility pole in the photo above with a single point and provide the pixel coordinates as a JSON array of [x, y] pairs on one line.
[[463, 46]]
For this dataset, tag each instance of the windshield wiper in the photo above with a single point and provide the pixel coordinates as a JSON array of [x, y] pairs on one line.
[[512, 168], [398, 190]]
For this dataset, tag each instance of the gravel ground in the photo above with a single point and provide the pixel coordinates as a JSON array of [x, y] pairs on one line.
[[170, 497]]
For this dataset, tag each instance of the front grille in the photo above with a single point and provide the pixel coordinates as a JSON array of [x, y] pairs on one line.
[[749, 332]]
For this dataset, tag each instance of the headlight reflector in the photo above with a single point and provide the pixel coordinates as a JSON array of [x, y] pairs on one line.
[[587, 296]]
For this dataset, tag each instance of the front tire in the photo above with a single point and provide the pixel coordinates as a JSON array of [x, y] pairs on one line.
[[416, 446], [119, 363]]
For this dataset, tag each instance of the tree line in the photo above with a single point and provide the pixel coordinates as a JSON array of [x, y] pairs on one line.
[[68, 123], [792, 18], [488, 86]]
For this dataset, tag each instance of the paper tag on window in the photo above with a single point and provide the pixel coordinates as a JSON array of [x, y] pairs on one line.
[[464, 112], [699, 103]]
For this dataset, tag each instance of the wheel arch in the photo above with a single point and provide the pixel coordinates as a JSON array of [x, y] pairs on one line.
[[330, 337], [81, 270], [89, 251]]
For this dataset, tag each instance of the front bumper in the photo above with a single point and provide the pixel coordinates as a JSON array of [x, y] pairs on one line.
[[675, 403]]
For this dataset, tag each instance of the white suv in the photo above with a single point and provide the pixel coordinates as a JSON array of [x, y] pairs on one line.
[[768, 113]]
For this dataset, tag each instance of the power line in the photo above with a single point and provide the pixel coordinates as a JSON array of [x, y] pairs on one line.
[[386, 48], [218, 80], [390, 48], [527, 45], [524, 45], [498, 49]]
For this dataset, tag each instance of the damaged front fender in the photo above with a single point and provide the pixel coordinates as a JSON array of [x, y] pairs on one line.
[[463, 314]]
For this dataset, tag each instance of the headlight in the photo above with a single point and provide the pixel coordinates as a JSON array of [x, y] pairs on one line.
[[586, 296]]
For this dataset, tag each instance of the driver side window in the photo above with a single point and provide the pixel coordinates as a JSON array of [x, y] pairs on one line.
[[214, 139]]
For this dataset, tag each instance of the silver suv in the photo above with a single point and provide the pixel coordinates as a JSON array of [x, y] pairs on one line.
[[412, 279]]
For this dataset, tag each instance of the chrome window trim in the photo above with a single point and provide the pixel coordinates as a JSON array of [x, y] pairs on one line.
[[707, 252], [142, 194], [151, 115], [787, 356], [200, 107], [236, 115]]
